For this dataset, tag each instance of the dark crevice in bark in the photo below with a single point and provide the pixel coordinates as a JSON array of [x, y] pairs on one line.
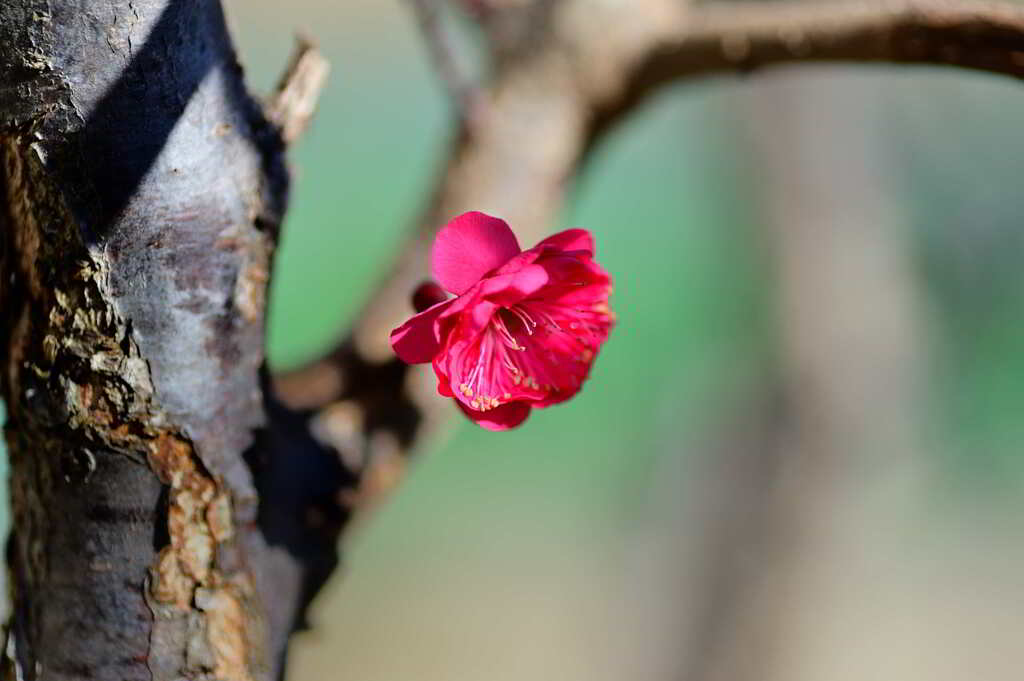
[[83, 498]]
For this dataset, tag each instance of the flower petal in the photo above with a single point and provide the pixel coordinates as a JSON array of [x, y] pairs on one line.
[[417, 340], [571, 240], [469, 247], [509, 289], [502, 417]]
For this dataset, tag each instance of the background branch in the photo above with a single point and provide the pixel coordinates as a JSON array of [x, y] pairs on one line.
[[545, 107], [457, 81], [846, 431], [551, 97], [747, 36]]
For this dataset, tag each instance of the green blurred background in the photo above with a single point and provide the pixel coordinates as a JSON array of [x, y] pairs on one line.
[[560, 550]]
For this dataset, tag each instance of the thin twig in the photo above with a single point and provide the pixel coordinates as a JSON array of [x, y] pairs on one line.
[[459, 84]]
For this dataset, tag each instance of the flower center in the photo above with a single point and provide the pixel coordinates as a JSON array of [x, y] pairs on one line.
[[532, 350]]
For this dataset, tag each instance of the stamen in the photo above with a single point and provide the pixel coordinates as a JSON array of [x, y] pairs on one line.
[[524, 317], [503, 331], [546, 317], [549, 365]]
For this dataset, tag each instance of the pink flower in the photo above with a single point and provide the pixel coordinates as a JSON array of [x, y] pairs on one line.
[[524, 327]]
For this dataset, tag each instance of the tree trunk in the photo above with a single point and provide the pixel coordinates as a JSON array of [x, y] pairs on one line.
[[141, 191]]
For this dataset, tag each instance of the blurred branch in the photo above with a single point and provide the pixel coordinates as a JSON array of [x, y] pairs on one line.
[[544, 110], [459, 84], [729, 488], [549, 99], [851, 372], [747, 36], [298, 91], [987, 36]]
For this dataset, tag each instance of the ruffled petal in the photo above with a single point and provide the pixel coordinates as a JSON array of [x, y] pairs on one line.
[[508, 289], [418, 340], [575, 281], [519, 261], [469, 247], [500, 418], [571, 240]]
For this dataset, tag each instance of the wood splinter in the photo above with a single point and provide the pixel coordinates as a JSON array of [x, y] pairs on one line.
[[298, 91]]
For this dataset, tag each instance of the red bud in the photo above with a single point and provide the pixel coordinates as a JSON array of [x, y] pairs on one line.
[[427, 295]]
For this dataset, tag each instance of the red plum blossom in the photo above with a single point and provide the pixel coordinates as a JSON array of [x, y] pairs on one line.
[[523, 328]]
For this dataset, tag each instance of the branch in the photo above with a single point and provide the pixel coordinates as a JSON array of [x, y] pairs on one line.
[[552, 96], [579, 79], [743, 37], [460, 87], [982, 36], [562, 95]]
